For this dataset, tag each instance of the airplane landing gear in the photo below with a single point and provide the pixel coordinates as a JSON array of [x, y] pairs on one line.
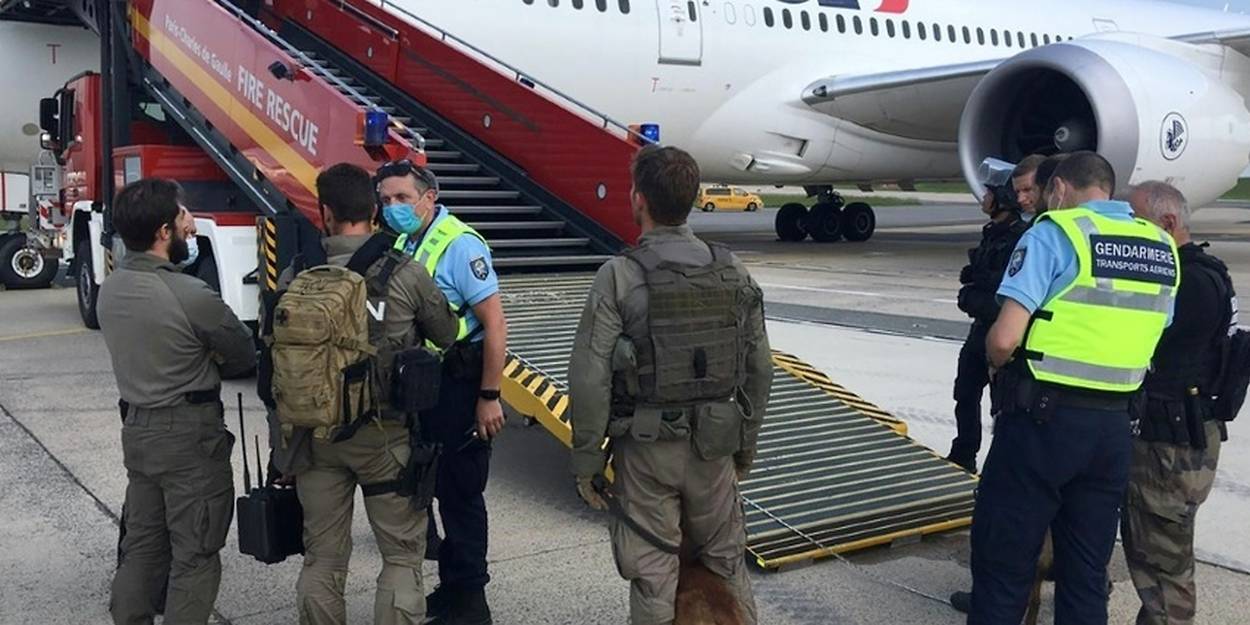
[[829, 219]]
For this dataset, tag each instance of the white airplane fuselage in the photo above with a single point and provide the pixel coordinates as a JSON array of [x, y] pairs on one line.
[[728, 87]]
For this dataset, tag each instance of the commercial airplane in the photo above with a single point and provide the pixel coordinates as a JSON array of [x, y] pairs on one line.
[[816, 92]]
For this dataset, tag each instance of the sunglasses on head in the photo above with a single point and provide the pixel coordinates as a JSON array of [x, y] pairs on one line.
[[405, 167]]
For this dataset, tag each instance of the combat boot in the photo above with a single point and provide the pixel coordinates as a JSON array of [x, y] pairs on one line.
[[439, 602], [468, 607]]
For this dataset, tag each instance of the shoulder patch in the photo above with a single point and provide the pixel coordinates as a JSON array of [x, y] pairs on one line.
[[1017, 261], [479, 267]]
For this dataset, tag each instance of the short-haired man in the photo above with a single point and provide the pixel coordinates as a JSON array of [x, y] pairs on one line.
[[328, 469], [1024, 182], [468, 414], [671, 363], [1088, 292], [1178, 444], [1041, 177], [171, 340]]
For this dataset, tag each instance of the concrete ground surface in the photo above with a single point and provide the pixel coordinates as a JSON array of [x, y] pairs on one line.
[[878, 317]]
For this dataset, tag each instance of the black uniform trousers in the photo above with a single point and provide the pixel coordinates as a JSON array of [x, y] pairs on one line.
[[971, 378], [1068, 475], [461, 482]]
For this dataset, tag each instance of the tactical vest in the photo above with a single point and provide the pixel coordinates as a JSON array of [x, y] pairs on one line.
[[688, 352], [1194, 361], [437, 239], [1100, 331]]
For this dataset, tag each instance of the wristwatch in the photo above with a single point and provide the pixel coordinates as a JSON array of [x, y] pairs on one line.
[[489, 394]]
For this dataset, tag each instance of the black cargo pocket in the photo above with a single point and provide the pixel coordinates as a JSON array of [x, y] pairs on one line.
[[216, 512], [718, 430]]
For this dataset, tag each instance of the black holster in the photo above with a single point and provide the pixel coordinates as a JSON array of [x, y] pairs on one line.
[[416, 375], [416, 480], [1013, 392], [463, 361]]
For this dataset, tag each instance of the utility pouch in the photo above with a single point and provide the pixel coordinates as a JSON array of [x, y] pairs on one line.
[[1195, 416], [645, 427], [1165, 421], [625, 367], [416, 376], [717, 430]]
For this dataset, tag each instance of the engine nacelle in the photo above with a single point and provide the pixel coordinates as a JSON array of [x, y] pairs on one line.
[[1151, 112]]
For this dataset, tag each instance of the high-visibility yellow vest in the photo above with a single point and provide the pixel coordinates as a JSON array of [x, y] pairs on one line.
[[1100, 332], [437, 239]]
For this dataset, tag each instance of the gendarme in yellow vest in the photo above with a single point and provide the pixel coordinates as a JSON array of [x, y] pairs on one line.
[[1100, 332], [437, 239]]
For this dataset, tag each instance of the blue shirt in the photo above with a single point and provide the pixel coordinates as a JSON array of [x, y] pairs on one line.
[[1044, 261], [464, 273]]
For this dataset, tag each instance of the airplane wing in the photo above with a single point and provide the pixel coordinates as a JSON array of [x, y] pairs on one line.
[[923, 103], [926, 103], [1238, 40]]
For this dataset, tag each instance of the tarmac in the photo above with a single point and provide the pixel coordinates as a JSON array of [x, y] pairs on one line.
[[878, 317]]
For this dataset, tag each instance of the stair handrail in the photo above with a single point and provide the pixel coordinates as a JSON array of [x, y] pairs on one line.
[[519, 75], [308, 63]]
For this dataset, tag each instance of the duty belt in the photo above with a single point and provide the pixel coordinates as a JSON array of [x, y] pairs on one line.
[[194, 398]]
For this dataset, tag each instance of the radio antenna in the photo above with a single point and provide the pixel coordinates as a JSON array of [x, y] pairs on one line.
[[247, 477]]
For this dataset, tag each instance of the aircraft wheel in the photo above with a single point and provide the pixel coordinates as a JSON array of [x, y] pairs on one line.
[[859, 222], [789, 222], [824, 222]]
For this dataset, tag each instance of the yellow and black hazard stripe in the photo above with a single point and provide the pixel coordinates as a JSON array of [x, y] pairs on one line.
[[268, 236], [108, 261], [536, 396], [794, 366]]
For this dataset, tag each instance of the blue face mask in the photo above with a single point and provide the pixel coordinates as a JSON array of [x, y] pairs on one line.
[[401, 218]]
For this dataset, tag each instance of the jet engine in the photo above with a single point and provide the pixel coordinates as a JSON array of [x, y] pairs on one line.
[[1146, 105]]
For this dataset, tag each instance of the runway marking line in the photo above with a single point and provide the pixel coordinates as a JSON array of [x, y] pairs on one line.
[[40, 335]]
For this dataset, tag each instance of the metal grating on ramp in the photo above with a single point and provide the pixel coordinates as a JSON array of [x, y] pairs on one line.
[[834, 473]]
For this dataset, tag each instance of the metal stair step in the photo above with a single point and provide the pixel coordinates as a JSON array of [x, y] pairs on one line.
[[487, 226], [514, 244], [475, 194], [456, 168], [443, 155], [519, 209], [467, 181], [550, 261]]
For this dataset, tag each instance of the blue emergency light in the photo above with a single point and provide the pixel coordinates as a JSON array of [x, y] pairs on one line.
[[376, 123], [650, 131]]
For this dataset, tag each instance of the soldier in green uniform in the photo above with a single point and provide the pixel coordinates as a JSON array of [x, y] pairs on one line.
[[672, 363], [405, 310], [171, 340], [1178, 443]]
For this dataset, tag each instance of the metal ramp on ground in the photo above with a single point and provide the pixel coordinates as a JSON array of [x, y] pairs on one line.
[[834, 472]]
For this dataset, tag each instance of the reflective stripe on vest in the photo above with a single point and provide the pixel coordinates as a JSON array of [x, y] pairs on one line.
[[1100, 332], [437, 239]]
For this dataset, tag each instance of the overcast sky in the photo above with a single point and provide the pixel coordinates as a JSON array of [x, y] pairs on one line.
[[1241, 6]]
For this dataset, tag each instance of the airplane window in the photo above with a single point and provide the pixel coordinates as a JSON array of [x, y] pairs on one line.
[[1034, 40], [602, 5], [889, 28], [980, 35], [786, 18], [993, 36], [824, 23], [768, 17], [937, 32], [578, 4], [967, 35], [528, 1], [731, 15], [950, 32], [807, 21], [841, 24], [553, 3], [624, 4], [1020, 39], [859, 25], [1046, 38], [872, 24], [906, 29], [1007, 38], [922, 31], [748, 15]]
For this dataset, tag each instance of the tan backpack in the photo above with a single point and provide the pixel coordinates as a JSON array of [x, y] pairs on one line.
[[322, 359]]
